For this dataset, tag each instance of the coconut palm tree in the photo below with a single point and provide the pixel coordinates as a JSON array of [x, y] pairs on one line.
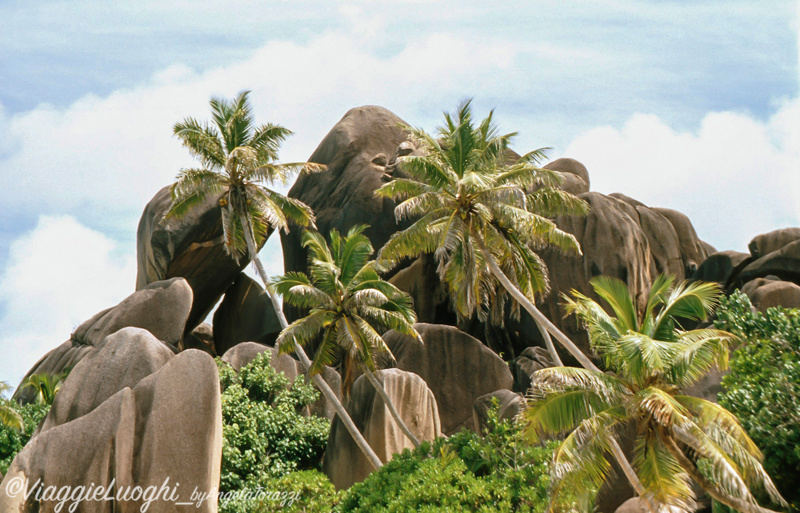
[[482, 217], [238, 158], [650, 359], [8, 415], [350, 307], [45, 385]]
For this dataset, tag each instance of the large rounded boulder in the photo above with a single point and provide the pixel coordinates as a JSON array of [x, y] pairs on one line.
[[457, 367]]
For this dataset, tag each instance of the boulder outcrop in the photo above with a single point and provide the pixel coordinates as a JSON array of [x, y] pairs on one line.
[[162, 308], [620, 237], [344, 462], [190, 247], [164, 432], [457, 367]]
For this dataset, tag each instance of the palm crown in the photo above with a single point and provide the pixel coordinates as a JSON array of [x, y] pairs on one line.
[[350, 305], [464, 191], [650, 359], [237, 157]]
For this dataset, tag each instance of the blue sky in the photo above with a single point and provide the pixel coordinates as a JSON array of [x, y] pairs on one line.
[[688, 105]]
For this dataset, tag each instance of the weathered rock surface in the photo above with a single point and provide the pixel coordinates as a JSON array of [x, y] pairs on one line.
[[769, 293], [766, 243], [245, 315], [576, 177], [120, 361], [344, 462], [457, 367], [241, 354], [191, 247], [166, 429], [509, 404], [620, 237], [161, 308], [360, 153], [783, 263]]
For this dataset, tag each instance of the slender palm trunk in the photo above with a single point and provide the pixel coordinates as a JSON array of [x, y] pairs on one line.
[[633, 479], [388, 402], [316, 378], [537, 315], [708, 486]]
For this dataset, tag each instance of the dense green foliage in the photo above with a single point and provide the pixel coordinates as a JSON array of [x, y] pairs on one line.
[[12, 440], [465, 472], [301, 491], [265, 436], [763, 387]]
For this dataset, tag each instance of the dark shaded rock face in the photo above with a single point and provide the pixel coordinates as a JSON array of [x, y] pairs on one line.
[[783, 263], [457, 368], [344, 463], [720, 267], [161, 308], [191, 247], [202, 338], [245, 315], [241, 354], [523, 366], [112, 424]]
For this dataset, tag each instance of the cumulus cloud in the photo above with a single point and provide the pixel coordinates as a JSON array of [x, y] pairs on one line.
[[735, 176], [58, 275], [102, 158]]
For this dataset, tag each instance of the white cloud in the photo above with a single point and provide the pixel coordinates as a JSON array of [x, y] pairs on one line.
[[102, 159], [58, 275], [735, 176]]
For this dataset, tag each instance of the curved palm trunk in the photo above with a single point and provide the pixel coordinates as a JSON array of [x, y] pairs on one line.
[[537, 315], [316, 378], [388, 402], [709, 487]]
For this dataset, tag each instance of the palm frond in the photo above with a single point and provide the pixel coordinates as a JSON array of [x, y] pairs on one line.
[[661, 474], [615, 292], [302, 331], [689, 301], [203, 142]]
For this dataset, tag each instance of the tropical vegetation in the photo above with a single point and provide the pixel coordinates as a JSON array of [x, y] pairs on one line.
[[237, 158], [45, 386], [763, 386], [480, 213], [349, 306], [265, 434], [650, 359], [13, 437]]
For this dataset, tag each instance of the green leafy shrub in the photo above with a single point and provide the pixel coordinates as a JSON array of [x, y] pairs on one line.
[[763, 387], [265, 436], [465, 472], [301, 491], [11, 440]]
